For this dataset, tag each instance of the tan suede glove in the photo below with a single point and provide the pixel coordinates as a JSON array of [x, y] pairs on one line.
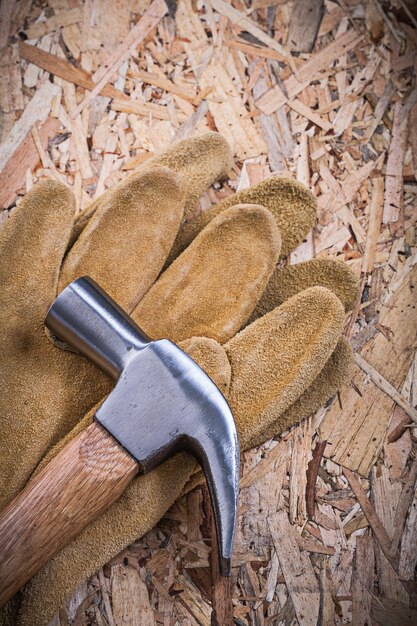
[[129, 237], [47, 391]]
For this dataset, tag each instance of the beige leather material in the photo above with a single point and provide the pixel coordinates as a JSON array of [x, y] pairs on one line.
[[291, 279], [217, 281], [292, 205]]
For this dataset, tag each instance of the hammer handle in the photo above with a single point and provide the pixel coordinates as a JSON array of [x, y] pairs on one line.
[[90, 473]]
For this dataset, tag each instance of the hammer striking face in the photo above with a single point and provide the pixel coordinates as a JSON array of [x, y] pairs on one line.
[[162, 403]]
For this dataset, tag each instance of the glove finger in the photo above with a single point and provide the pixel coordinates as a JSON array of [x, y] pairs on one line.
[[32, 244], [140, 507], [126, 242], [214, 285], [290, 280], [292, 205], [275, 359], [336, 373], [212, 358], [200, 162]]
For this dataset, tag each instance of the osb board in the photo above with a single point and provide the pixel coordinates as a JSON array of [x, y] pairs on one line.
[[327, 525]]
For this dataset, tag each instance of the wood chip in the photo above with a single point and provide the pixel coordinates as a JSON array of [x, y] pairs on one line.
[[64, 18], [36, 111], [386, 387], [373, 519], [408, 554], [363, 581], [374, 226], [393, 199], [297, 570], [270, 129], [386, 495], [11, 97], [12, 178], [300, 458], [78, 136], [275, 457], [305, 111], [6, 10], [312, 472], [130, 598], [304, 24], [404, 503]]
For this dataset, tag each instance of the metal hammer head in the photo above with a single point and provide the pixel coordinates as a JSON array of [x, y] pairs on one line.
[[163, 402]]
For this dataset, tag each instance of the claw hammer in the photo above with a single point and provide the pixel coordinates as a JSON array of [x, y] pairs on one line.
[[162, 403]]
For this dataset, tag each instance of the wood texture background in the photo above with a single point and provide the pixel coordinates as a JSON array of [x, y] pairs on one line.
[[327, 528]]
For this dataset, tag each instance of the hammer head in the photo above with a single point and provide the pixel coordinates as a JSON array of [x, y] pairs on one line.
[[162, 403]]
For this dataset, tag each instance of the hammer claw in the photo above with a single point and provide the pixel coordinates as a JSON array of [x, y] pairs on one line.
[[219, 458]]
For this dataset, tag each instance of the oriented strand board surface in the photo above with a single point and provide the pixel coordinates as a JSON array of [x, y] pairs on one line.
[[355, 433], [90, 89]]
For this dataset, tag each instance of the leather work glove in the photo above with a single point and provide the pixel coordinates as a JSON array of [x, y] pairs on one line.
[[270, 371], [124, 248]]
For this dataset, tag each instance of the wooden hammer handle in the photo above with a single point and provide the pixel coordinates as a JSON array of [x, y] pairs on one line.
[[90, 473]]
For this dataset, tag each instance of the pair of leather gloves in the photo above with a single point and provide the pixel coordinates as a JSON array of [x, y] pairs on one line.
[[220, 273]]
